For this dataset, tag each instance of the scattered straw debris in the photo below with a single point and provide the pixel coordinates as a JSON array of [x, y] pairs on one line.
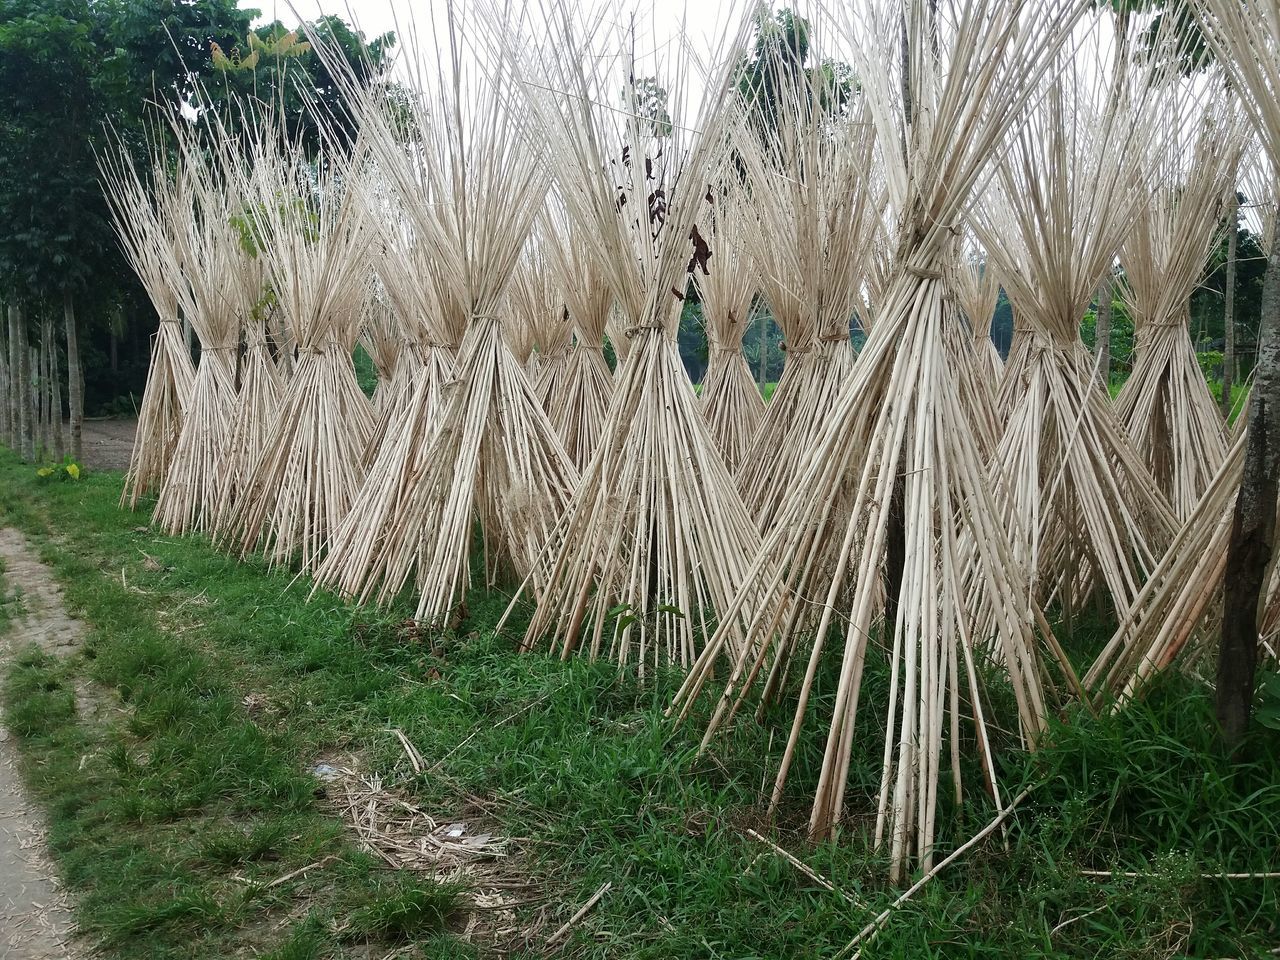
[[462, 848]]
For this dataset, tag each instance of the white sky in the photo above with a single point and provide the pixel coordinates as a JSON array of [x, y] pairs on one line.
[[705, 22]]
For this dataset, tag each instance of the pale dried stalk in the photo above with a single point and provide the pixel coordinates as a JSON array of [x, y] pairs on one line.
[[1245, 40], [1082, 509], [579, 401], [356, 551], [977, 289], [493, 454], [315, 239], [410, 274], [656, 539], [1165, 405], [1177, 608], [431, 322], [251, 417], [385, 338], [542, 319], [730, 400], [146, 220], [470, 189], [225, 283], [817, 201], [900, 430]]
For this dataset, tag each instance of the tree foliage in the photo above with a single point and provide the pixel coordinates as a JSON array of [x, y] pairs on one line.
[[77, 74]]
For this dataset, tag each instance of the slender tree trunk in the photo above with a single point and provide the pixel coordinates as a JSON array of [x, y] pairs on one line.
[[75, 381], [1229, 313], [6, 381], [1102, 332], [1251, 549], [15, 380], [40, 404], [26, 432], [55, 397], [47, 353]]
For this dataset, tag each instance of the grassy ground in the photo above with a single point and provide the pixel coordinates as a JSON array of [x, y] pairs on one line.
[[227, 685]]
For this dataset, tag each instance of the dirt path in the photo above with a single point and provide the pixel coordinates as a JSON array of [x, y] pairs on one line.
[[35, 922], [107, 444]]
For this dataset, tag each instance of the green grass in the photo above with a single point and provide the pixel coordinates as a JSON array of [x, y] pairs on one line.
[[187, 786], [1238, 392], [10, 602]]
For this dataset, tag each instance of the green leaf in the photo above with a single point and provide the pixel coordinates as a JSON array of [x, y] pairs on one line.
[[1268, 715]]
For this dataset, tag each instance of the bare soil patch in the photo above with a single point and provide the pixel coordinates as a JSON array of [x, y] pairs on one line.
[[107, 444]]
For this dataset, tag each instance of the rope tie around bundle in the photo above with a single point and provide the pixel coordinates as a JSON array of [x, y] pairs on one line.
[[924, 273], [326, 346]]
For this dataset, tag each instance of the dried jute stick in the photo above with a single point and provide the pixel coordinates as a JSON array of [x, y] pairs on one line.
[[803, 867], [1131, 874], [868, 933], [582, 912]]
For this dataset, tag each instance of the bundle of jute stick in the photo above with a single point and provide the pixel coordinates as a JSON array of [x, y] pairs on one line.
[[383, 339], [730, 399], [1082, 509], [865, 549], [1173, 615], [1165, 405], [255, 408], [225, 285], [470, 188], [410, 274], [539, 305], [1174, 619], [656, 539], [578, 400], [522, 340], [315, 235], [146, 218], [977, 288], [816, 199]]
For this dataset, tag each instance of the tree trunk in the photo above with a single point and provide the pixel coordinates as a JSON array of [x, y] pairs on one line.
[[26, 431], [41, 430], [15, 380], [47, 422], [6, 381], [55, 397], [75, 381], [1229, 313], [1251, 548], [1102, 332]]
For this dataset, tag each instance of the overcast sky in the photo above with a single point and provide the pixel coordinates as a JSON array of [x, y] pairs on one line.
[[706, 21]]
